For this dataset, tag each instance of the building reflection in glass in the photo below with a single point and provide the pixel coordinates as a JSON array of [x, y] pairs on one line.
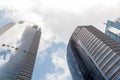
[[16, 41]]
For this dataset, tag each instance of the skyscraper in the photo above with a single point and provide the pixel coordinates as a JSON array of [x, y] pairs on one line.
[[18, 49], [113, 29], [92, 55]]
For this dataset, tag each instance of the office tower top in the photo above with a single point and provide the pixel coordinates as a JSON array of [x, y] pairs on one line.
[[92, 55], [18, 49], [113, 29]]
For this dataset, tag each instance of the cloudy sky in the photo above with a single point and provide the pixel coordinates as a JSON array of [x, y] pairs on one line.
[[58, 19]]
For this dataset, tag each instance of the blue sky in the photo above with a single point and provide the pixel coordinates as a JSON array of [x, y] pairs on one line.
[[45, 67], [3, 20], [57, 19]]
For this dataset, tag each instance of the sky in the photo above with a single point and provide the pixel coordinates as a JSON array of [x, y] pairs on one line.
[[57, 19]]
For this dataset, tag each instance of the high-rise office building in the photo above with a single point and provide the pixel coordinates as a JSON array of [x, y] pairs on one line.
[[18, 49], [92, 55], [113, 29]]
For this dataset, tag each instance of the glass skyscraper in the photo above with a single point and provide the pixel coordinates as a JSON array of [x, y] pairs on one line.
[[92, 55], [113, 29], [18, 49]]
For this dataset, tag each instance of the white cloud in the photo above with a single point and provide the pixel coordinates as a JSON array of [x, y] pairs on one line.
[[58, 19], [77, 6], [45, 42], [62, 16], [61, 71], [22, 9]]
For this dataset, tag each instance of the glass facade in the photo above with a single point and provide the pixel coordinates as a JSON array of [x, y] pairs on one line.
[[76, 74], [15, 47], [92, 55]]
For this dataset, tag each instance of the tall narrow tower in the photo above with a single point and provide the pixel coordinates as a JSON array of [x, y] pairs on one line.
[[18, 49]]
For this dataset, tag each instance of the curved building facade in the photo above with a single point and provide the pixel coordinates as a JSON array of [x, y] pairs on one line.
[[92, 55]]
